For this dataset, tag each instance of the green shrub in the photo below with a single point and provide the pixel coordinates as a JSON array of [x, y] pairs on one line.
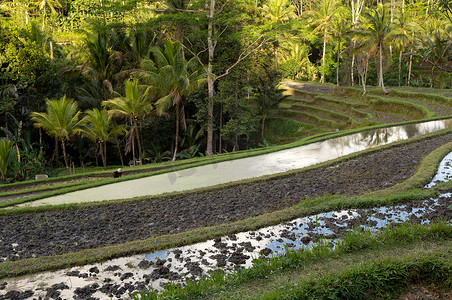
[[6, 147]]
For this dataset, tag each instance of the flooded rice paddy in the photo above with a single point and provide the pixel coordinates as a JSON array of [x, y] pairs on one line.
[[235, 170], [117, 278]]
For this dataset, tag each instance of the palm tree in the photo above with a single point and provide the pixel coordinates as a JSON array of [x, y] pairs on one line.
[[51, 4], [172, 78], [436, 49], [277, 11], [6, 147], [341, 29], [101, 62], [133, 106], [141, 41], [378, 31], [97, 126], [323, 19], [61, 120], [404, 29]]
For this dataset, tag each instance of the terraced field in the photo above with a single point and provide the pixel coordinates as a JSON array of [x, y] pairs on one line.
[[67, 237], [320, 108]]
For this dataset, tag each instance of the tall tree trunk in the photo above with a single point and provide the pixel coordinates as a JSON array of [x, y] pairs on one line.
[[51, 51], [55, 152], [210, 79], [65, 158], [276, 48], [263, 126], [101, 150], [322, 80], [409, 68], [351, 70], [431, 77], [400, 64], [365, 73], [381, 69], [177, 130], [337, 63], [135, 123], [220, 142], [118, 147]]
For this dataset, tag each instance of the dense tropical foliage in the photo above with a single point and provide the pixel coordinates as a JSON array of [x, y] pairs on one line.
[[149, 77]]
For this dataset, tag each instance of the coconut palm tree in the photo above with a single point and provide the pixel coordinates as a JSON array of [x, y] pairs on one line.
[[341, 29], [277, 11], [323, 16], [133, 106], [6, 147], [404, 29], [172, 78], [378, 31], [98, 127], [436, 49], [61, 120], [51, 4]]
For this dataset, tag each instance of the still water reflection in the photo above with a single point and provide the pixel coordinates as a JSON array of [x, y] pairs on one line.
[[250, 167]]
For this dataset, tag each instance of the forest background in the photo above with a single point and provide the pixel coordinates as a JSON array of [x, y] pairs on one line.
[[173, 79]]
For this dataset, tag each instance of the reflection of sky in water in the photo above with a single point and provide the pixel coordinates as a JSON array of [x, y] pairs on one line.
[[250, 167], [444, 171]]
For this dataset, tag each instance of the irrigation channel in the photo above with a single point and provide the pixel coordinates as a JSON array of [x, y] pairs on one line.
[[118, 278], [245, 168]]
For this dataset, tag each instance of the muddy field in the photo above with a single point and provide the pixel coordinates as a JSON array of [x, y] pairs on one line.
[[57, 232]]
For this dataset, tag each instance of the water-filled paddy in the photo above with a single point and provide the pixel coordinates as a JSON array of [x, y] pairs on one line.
[[250, 167], [118, 277]]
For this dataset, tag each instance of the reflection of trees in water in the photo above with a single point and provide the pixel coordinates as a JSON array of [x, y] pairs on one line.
[[377, 136], [340, 143], [413, 130], [371, 138]]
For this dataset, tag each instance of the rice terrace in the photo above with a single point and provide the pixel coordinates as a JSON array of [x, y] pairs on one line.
[[218, 149]]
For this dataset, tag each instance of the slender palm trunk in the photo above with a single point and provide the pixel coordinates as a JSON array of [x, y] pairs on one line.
[[409, 68], [65, 158], [338, 56], [381, 69], [364, 78], [322, 80], [102, 154], [135, 123], [55, 153], [210, 79], [43, 19], [220, 140], [119, 151], [400, 64], [177, 129]]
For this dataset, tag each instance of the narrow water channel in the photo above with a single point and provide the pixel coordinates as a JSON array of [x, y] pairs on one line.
[[245, 168], [117, 278]]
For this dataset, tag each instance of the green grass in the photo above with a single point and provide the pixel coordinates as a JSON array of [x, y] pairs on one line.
[[361, 266], [283, 130], [409, 110]]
